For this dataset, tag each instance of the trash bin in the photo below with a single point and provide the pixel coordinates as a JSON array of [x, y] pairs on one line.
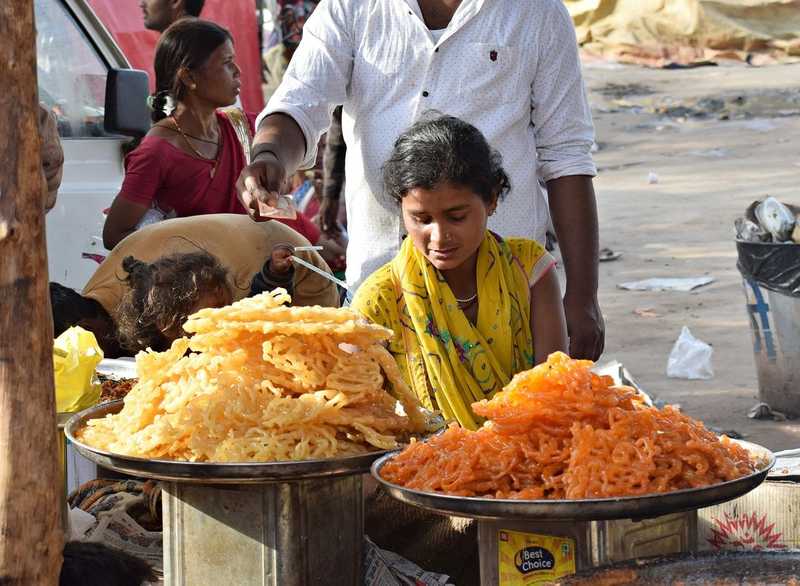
[[771, 274]]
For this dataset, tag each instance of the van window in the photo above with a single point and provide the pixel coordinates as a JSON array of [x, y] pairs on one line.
[[72, 77]]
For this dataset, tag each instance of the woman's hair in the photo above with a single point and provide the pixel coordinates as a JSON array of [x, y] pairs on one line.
[[442, 150], [70, 308], [186, 44], [162, 295]]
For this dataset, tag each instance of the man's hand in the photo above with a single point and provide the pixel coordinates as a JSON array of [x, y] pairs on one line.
[[328, 218], [259, 185], [585, 326]]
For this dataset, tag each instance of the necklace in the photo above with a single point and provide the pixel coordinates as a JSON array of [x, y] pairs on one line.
[[468, 300], [195, 151], [192, 136]]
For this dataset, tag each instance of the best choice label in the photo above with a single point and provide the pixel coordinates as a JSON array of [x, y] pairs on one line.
[[526, 559]]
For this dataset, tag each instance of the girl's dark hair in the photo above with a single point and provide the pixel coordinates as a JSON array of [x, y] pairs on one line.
[[441, 150], [162, 295], [186, 44]]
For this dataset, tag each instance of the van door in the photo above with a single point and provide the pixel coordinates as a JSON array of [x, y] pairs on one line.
[[72, 70]]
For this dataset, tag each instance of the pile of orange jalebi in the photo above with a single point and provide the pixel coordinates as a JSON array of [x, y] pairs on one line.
[[560, 431]]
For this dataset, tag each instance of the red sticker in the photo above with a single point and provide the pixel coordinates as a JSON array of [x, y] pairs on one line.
[[747, 532]]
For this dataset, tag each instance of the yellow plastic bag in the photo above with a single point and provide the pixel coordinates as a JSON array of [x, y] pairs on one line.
[[75, 356]]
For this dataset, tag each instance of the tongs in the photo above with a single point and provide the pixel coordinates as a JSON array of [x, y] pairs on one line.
[[348, 292]]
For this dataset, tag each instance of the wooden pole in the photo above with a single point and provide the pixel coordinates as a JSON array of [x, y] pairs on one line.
[[31, 539]]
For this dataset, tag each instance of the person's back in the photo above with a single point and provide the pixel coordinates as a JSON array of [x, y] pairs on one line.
[[241, 246]]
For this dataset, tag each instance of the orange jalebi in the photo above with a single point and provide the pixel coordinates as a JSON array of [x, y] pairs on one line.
[[560, 431]]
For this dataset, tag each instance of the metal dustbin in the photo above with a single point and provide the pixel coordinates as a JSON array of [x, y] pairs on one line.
[[771, 274]]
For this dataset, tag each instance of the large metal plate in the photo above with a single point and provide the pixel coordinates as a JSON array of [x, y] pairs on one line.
[[719, 567], [636, 507], [206, 472]]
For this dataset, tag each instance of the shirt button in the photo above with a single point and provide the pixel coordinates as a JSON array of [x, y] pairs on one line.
[[425, 94]]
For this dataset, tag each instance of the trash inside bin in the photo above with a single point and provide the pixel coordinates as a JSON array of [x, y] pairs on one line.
[[773, 266]]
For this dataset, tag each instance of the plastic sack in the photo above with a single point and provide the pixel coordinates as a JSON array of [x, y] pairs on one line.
[[690, 358], [76, 354], [773, 266]]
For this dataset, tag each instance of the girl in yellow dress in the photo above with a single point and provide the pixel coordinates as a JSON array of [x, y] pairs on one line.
[[469, 309]]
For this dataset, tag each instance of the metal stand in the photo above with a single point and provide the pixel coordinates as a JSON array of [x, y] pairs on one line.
[[539, 552], [535, 542], [294, 533], [297, 523]]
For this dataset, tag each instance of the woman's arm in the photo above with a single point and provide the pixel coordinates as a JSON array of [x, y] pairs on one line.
[[548, 325], [122, 219]]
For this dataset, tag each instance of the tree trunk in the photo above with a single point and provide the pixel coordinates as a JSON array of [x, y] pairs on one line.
[[30, 489]]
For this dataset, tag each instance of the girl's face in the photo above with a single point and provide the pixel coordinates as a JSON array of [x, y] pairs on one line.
[[218, 80], [446, 224]]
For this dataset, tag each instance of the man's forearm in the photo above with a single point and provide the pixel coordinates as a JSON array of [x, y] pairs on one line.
[[574, 211], [281, 135]]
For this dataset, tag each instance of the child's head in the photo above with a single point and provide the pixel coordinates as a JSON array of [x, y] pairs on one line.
[[164, 293], [447, 180]]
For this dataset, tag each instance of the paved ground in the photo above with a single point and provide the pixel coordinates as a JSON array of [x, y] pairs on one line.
[[717, 138]]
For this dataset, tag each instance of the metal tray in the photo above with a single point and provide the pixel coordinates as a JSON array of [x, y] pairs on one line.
[[635, 507], [718, 567], [208, 472]]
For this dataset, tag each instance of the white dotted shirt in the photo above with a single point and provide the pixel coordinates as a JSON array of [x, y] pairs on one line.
[[510, 67]]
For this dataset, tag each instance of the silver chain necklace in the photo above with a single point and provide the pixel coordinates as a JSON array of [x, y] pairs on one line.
[[467, 300]]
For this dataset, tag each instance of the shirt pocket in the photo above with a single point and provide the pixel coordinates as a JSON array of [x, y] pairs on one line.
[[490, 72]]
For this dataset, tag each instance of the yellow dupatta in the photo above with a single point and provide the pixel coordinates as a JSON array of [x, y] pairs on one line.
[[446, 359]]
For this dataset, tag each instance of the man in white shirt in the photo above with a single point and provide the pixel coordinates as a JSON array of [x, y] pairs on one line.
[[510, 68]]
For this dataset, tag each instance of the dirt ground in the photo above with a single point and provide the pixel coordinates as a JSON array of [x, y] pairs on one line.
[[717, 138]]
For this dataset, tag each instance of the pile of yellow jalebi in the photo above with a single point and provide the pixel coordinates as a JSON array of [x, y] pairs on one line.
[[263, 382], [560, 431]]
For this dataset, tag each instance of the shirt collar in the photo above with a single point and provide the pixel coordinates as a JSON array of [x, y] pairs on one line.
[[465, 12]]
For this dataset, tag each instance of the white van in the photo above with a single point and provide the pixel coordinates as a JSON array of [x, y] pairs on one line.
[[85, 78]]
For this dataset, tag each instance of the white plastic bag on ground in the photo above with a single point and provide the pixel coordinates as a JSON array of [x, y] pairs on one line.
[[690, 358]]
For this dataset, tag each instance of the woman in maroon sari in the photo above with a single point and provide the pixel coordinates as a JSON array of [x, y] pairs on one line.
[[189, 161]]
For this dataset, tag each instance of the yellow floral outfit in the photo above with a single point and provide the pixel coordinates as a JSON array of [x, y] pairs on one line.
[[448, 361]]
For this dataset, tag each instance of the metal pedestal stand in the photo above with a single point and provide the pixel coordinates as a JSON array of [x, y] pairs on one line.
[[254, 524], [295, 533], [536, 542]]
